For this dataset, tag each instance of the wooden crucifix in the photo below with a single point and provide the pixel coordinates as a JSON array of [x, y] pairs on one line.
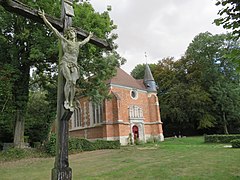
[[61, 170]]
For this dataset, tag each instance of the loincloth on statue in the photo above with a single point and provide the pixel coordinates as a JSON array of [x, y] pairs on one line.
[[73, 69]]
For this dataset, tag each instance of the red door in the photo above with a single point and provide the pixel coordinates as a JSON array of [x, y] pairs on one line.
[[135, 132]]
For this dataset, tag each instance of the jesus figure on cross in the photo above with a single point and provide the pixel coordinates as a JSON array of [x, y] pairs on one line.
[[68, 63]]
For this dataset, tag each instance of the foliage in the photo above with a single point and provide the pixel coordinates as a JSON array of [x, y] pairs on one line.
[[199, 93], [208, 67], [139, 70], [16, 154], [24, 41], [50, 145], [220, 138], [96, 64], [7, 77], [80, 144], [229, 15], [32, 45], [230, 19], [103, 144], [138, 142], [235, 143], [39, 117]]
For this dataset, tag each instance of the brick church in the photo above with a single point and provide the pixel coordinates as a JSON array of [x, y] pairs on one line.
[[131, 113]]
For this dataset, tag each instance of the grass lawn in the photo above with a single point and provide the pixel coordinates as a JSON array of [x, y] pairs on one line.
[[185, 158]]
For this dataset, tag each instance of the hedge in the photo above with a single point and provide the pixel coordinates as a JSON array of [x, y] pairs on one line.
[[220, 138], [103, 144], [235, 143], [80, 144]]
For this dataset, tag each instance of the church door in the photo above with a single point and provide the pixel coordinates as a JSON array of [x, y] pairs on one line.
[[135, 132]]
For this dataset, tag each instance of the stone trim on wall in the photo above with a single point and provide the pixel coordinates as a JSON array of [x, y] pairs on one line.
[[123, 139], [86, 127], [160, 137], [156, 122]]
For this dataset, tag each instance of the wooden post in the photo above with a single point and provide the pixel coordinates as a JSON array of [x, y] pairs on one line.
[[61, 170]]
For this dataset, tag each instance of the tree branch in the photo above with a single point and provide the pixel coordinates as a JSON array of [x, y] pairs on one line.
[[28, 12]]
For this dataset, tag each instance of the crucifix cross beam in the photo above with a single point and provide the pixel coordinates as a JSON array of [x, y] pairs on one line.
[[26, 11]]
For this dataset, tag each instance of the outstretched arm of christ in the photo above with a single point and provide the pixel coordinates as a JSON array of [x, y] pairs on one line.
[[81, 43], [56, 32]]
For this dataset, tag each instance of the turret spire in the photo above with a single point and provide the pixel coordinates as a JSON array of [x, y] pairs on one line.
[[149, 80]]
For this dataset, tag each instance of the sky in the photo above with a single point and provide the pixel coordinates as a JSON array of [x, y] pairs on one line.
[[158, 28]]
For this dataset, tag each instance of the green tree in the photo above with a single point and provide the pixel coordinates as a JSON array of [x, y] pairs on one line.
[[226, 97], [30, 45], [199, 92], [230, 19], [139, 70], [6, 101], [39, 117], [182, 103], [209, 68], [229, 15]]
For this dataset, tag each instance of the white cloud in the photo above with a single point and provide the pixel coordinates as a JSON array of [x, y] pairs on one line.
[[160, 28]]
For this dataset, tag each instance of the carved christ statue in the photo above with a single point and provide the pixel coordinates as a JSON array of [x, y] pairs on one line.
[[68, 63]]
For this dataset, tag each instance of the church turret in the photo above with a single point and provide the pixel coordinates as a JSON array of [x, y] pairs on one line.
[[149, 80]]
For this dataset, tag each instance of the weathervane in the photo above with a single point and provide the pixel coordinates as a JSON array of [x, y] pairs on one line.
[[145, 57]]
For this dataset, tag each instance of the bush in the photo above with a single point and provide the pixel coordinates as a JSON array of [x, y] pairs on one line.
[[103, 144], [220, 138], [235, 143], [50, 145], [17, 153], [75, 144], [87, 145], [138, 142], [80, 144]]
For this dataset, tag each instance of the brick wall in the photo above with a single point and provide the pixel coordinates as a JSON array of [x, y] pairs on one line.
[[116, 115]]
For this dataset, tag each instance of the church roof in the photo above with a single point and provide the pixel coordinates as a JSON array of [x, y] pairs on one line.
[[148, 74], [124, 79]]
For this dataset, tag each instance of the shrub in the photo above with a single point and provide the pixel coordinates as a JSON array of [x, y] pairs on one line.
[[103, 144], [37, 145], [235, 143], [130, 141], [87, 145], [74, 144], [220, 138], [14, 153], [17, 153], [80, 144], [50, 145], [138, 142]]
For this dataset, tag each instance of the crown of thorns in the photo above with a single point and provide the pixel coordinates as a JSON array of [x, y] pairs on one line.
[[68, 30]]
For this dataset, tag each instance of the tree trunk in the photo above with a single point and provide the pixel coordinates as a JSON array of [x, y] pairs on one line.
[[21, 93], [19, 130], [225, 124]]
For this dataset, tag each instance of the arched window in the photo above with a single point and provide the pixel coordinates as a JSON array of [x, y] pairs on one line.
[[135, 112], [77, 118], [97, 113]]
